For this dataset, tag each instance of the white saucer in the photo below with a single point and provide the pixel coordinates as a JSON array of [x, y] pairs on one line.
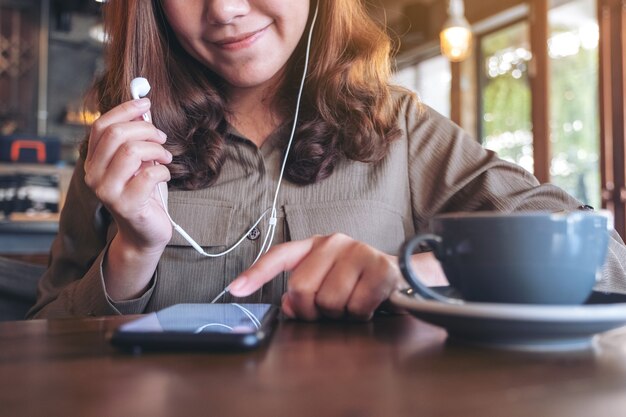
[[523, 327]]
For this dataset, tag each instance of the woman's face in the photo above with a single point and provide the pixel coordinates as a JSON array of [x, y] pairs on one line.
[[246, 42]]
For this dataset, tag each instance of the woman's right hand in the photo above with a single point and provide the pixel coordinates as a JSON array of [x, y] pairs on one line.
[[120, 169]]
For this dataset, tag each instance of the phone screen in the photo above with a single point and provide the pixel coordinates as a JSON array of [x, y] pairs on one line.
[[199, 326]]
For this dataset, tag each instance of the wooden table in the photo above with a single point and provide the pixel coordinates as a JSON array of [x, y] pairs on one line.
[[392, 366]]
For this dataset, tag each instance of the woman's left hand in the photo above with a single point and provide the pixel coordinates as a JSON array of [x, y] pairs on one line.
[[331, 276]]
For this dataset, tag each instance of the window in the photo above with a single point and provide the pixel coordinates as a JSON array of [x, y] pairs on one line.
[[574, 104], [430, 79], [505, 99], [505, 119]]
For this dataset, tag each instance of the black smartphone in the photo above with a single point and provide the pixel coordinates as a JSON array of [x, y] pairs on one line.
[[220, 327]]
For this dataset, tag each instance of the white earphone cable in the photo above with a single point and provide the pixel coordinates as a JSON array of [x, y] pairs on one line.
[[272, 223], [249, 314], [269, 237], [267, 243]]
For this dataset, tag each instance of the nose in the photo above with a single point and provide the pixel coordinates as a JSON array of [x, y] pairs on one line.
[[223, 12]]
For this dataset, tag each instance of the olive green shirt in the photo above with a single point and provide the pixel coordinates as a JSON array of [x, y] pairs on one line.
[[433, 167]]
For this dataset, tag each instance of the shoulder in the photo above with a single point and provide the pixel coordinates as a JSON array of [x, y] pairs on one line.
[[419, 122], [411, 112]]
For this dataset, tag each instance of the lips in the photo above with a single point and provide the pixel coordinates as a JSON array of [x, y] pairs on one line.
[[241, 40]]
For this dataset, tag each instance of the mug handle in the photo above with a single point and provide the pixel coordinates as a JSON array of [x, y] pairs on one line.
[[411, 277]]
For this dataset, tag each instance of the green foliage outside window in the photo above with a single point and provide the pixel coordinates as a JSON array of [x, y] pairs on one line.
[[574, 125], [574, 114], [506, 100]]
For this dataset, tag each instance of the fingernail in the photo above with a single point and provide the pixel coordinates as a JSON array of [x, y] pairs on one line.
[[162, 135], [286, 307], [238, 284], [142, 103]]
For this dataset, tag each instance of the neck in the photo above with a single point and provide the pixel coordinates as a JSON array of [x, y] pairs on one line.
[[253, 112]]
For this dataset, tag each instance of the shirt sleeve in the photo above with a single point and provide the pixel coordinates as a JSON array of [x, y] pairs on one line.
[[450, 171], [73, 284]]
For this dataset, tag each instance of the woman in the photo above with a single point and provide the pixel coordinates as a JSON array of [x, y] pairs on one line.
[[368, 166]]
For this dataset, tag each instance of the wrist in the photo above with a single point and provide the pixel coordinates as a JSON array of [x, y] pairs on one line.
[[129, 248], [128, 269]]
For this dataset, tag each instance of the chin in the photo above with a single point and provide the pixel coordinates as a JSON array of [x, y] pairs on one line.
[[251, 78]]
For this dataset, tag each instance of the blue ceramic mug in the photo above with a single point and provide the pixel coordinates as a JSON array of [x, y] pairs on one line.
[[522, 257]]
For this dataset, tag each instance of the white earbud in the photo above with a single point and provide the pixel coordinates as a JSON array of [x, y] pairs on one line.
[[140, 87]]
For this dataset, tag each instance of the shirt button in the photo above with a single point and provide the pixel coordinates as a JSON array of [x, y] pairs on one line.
[[254, 233]]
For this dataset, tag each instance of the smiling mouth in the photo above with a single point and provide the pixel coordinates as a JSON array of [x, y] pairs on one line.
[[240, 41]]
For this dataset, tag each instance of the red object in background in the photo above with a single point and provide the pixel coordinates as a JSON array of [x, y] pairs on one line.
[[30, 149], [21, 144]]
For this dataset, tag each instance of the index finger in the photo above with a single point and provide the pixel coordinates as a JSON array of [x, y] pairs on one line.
[[125, 112], [282, 257]]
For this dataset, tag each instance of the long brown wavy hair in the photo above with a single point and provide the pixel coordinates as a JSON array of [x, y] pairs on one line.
[[346, 109]]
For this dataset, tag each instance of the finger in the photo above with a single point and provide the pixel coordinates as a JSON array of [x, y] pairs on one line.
[[135, 202], [128, 162], [379, 279], [314, 270], [146, 117], [142, 185], [287, 308], [333, 295], [115, 137], [283, 257], [125, 112]]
